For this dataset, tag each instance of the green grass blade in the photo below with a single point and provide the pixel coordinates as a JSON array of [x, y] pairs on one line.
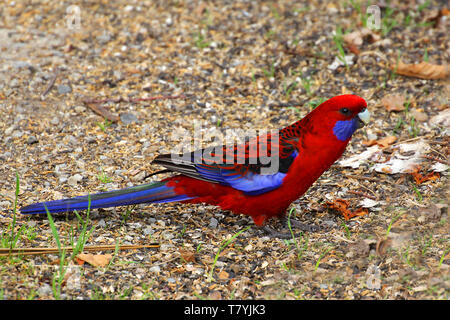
[[223, 247]]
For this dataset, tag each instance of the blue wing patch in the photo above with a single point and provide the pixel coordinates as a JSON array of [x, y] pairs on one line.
[[250, 183]]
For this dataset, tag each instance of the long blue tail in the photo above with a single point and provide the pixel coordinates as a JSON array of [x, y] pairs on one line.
[[147, 193]]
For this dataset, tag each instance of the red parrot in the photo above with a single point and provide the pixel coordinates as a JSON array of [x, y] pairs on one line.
[[237, 179]]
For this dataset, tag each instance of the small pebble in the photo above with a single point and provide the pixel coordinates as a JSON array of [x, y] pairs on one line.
[[32, 139], [21, 64], [154, 269], [128, 118], [63, 89], [73, 180], [17, 134], [45, 290], [101, 223], [54, 121], [213, 223], [148, 230]]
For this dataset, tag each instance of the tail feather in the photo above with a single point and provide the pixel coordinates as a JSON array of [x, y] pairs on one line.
[[147, 193]]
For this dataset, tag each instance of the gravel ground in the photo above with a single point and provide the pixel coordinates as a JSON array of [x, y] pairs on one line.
[[91, 93]]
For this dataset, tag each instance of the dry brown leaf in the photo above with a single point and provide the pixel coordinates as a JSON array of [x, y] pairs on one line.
[[215, 295], [382, 246], [384, 143], [341, 206], [419, 115], [419, 178], [97, 260], [353, 48], [393, 102], [359, 212], [357, 38], [103, 112], [223, 275], [423, 70], [186, 255]]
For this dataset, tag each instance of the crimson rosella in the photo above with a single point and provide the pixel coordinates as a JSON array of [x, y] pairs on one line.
[[244, 185]]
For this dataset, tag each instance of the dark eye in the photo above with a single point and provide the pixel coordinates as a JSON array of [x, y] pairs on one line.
[[345, 111]]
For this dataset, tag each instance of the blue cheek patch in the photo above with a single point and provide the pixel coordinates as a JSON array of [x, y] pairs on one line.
[[344, 129]]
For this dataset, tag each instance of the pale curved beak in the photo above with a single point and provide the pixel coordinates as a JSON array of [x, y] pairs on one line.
[[364, 117]]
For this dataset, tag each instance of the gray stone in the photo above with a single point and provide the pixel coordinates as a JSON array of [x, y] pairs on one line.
[[32, 139], [63, 89], [213, 223], [128, 118]]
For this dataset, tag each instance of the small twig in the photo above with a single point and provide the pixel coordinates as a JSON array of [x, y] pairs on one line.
[[300, 52], [94, 104], [121, 99], [362, 177], [436, 159], [359, 193], [285, 104], [439, 153], [442, 143], [50, 85], [404, 141], [35, 251], [102, 111], [376, 53]]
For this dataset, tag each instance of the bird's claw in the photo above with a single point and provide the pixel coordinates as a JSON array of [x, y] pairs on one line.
[[303, 226], [290, 233]]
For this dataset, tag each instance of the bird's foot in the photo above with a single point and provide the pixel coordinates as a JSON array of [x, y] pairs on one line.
[[272, 233], [303, 226], [290, 233]]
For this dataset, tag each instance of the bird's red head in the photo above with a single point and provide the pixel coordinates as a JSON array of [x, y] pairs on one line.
[[340, 115]]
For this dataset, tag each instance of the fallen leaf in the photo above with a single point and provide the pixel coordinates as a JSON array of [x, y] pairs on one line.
[[215, 295], [419, 115], [393, 102], [405, 158], [223, 275], [423, 70], [385, 142], [441, 119], [419, 178], [360, 158], [341, 206], [188, 256], [355, 39], [382, 246], [97, 260]]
